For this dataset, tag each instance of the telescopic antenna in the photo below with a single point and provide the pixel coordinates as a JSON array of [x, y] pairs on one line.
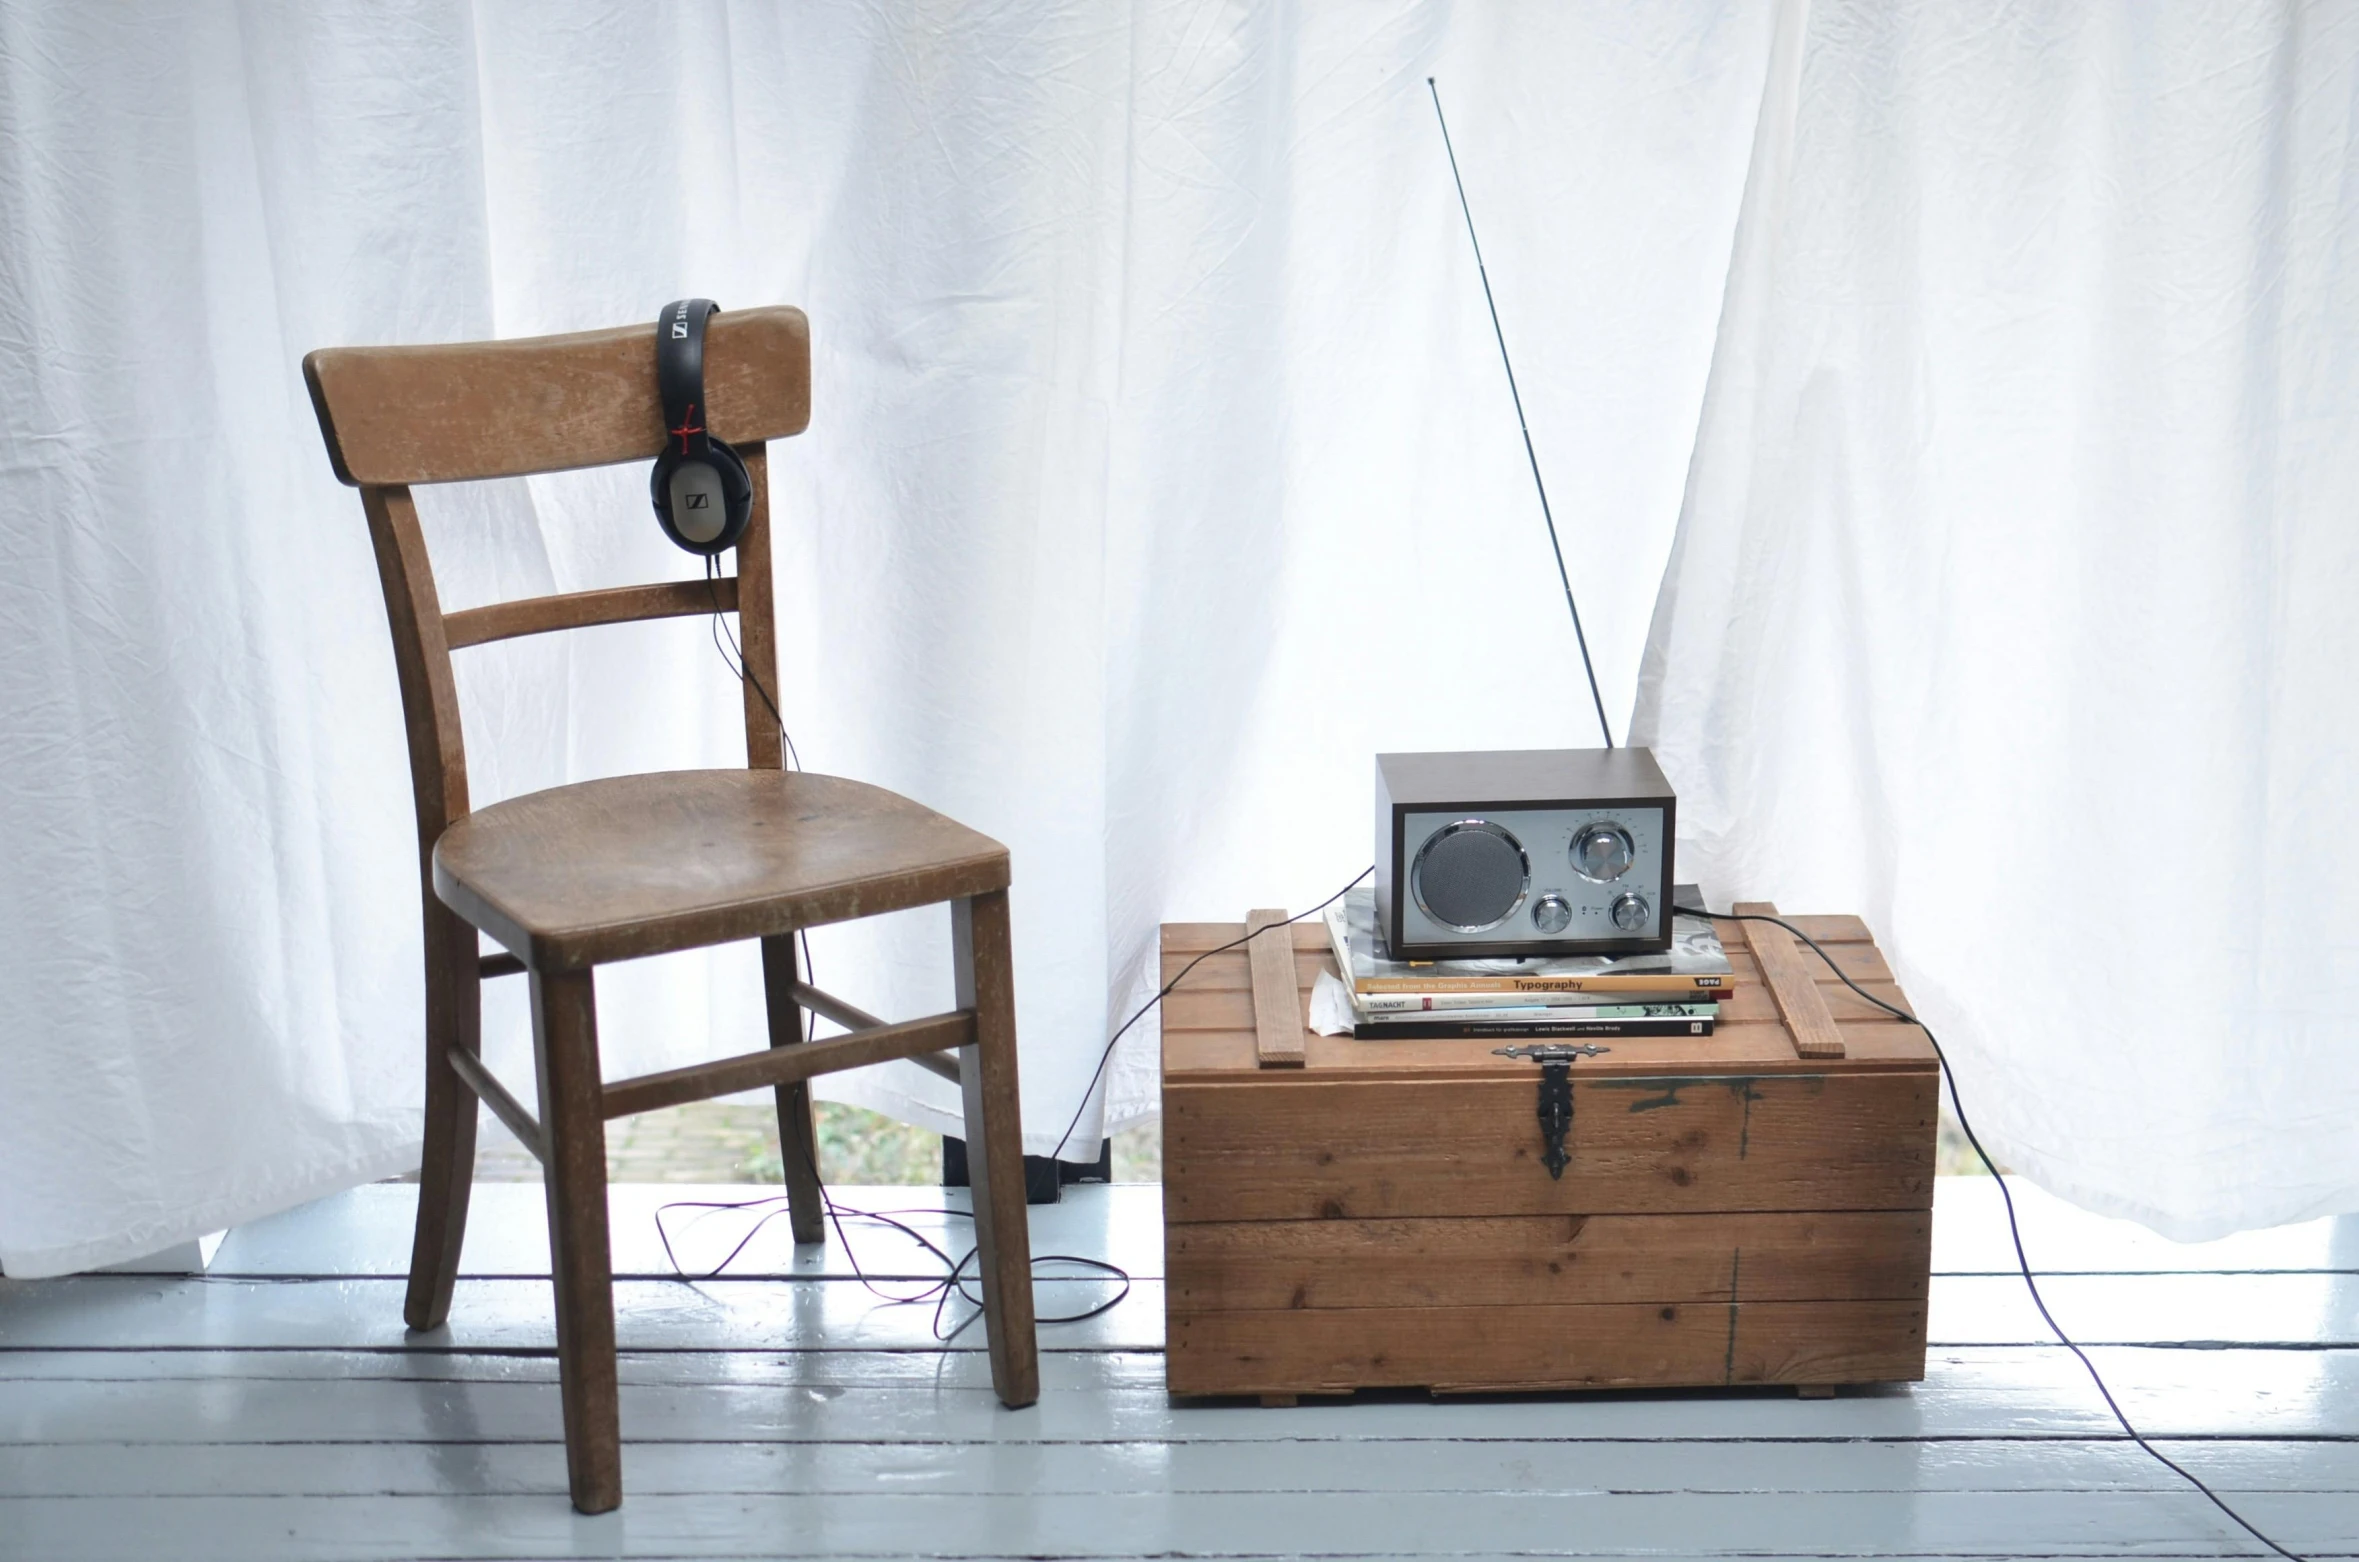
[[1554, 546]]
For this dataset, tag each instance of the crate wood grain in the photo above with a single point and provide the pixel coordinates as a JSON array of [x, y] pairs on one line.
[[1732, 1212], [1537, 1260], [1354, 1150], [1468, 1350]]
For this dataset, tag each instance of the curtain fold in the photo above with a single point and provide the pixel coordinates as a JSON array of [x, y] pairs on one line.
[[1998, 376], [2009, 604], [1159, 473]]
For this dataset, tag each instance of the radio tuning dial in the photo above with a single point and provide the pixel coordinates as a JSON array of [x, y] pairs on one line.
[[1603, 852], [1550, 914], [1630, 912]]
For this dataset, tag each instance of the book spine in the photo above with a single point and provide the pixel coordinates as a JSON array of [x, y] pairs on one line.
[[1704, 987], [1570, 1006], [1443, 1028]]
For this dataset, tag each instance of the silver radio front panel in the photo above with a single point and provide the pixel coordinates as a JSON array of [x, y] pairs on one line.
[[1463, 863]]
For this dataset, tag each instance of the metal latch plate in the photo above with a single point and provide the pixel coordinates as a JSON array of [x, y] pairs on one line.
[[1556, 1062]]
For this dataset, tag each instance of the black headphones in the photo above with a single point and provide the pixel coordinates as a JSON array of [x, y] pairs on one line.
[[703, 497]]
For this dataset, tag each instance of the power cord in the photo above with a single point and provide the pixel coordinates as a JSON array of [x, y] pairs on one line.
[[2014, 1230], [1165, 991], [952, 1283], [939, 1292]]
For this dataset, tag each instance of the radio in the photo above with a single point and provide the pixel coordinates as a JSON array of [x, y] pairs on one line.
[[1523, 852]]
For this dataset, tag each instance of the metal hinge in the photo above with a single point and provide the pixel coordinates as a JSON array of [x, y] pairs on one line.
[[1556, 1095]]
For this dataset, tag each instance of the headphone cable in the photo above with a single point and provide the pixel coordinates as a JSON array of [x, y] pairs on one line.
[[738, 665], [940, 1291]]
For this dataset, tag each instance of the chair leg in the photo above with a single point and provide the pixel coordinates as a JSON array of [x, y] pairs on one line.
[[798, 1138], [573, 1121], [995, 1142], [446, 1168]]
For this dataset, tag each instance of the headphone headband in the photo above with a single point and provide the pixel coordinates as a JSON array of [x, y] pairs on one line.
[[679, 374]]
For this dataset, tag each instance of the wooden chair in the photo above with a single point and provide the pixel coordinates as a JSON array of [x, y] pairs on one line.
[[575, 876]]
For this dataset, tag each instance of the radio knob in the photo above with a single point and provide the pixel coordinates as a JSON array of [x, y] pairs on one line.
[[1630, 912], [1550, 914], [1602, 853]]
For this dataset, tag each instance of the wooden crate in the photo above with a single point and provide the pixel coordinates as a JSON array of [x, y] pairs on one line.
[[1344, 1214]]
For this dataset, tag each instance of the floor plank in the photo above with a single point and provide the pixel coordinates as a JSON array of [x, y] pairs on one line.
[[310, 1397], [2300, 1311], [263, 1413], [1970, 1237], [95, 1311], [1160, 1524], [366, 1231], [1435, 1465]]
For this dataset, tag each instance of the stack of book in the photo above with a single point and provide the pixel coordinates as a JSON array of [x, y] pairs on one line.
[[1672, 994]]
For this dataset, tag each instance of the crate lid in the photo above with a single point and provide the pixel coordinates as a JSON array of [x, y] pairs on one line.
[[1210, 1032]]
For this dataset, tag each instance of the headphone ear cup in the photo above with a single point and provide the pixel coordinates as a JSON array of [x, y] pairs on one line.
[[702, 502]]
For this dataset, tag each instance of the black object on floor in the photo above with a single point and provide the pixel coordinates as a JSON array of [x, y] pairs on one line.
[[1044, 1178]]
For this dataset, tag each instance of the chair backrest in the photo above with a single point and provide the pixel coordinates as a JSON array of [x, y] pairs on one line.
[[394, 416]]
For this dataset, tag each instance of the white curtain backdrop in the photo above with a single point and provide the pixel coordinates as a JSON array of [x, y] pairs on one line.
[[2012, 598], [1160, 471]]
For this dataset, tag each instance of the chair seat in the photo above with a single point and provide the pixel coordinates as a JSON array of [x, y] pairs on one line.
[[640, 865]]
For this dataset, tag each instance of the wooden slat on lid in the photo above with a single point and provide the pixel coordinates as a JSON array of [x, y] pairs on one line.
[[1792, 982], [468, 410], [1277, 1003]]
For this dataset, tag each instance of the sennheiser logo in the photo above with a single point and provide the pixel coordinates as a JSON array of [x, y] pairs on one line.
[[680, 322], [695, 494]]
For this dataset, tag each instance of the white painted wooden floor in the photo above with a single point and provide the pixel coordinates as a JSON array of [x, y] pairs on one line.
[[276, 1409]]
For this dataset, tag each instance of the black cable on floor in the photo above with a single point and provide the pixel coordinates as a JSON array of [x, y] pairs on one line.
[[940, 1291], [2014, 1230]]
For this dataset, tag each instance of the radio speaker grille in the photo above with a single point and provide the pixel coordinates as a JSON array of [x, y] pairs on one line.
[[1471, 875]]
